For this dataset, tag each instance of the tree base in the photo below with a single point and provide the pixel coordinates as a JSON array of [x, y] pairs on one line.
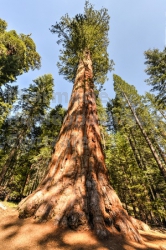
[[79, 213]]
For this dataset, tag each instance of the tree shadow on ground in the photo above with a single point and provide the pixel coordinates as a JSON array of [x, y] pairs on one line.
[[19, 234]]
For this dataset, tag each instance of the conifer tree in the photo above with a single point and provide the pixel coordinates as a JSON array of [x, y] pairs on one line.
[[132, 103], [156, 69], [17, 54], [8, 96], [133, 170], [33, 103], [76, 192], [144, 163]]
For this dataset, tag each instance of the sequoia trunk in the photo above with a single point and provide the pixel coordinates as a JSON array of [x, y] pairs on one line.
[[76, 192]]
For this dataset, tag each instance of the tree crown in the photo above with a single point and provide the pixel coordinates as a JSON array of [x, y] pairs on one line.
[[17, 54], [85, 31], [156, 69]]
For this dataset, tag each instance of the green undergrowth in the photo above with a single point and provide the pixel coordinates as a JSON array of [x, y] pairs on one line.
[[9, 204]]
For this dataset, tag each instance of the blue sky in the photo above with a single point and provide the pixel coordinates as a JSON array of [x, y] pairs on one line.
[[135, 26]]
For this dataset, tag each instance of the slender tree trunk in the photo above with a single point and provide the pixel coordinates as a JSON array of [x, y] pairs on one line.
[[141, 166], [26, 181], [159, 163], [162, 113], [76, 192], [136, 156], [160, 151], [129, 182], [11, 158]]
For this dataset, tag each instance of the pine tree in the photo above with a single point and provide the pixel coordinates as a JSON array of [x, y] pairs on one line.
[[33, 103], [148, 185], [8, 96], [156, 69], [41, 146], [124, 88]]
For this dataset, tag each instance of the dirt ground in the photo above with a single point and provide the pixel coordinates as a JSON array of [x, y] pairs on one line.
[[19, 234]]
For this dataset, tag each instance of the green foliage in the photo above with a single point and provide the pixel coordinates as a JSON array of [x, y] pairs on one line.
[[133, 170], [36, 99], [156, 105], [3, 26], [20, 133], [17, 54], [34, 150], [156, 69], [8, 96], [9, 204], [40, 149], [84, 31]]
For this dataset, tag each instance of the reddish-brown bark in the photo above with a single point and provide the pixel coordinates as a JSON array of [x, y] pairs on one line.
[[76, 192]]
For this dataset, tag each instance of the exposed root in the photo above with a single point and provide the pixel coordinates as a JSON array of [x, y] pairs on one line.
[[140, 225], [28, 206], [123, 224]]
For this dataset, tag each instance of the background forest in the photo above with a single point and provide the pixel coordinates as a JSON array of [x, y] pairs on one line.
[[132, 127]]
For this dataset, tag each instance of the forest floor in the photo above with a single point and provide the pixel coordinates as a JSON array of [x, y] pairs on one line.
[[19, 234]]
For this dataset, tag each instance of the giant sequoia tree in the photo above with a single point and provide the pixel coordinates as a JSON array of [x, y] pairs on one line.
[[75, 192]]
